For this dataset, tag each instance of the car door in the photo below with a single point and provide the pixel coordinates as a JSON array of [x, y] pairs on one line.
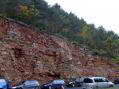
[[88, 83], [28, 85], [100, 83], [20, 85], [106, 82]]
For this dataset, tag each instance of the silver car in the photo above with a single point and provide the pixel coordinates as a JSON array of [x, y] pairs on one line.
[[28, 84], [96, 82]]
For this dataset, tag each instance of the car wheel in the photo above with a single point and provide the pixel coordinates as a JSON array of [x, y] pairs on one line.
[[111, 86]]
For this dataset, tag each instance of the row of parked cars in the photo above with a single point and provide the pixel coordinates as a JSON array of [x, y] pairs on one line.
[[84, 82], [33, 84]]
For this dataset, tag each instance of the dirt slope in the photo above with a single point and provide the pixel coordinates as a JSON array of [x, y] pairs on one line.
[[26, 54]]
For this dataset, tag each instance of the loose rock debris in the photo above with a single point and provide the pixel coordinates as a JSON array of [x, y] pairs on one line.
[[26, 54]]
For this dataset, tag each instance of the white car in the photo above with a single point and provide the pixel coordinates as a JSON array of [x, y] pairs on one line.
[[96, 82]]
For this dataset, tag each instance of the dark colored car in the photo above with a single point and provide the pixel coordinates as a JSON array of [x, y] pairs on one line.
[[74, 84], [116, 81], [54, 84], [70, 84], [28, 84]]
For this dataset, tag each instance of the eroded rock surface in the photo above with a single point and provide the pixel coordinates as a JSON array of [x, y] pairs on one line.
[[26, 54]]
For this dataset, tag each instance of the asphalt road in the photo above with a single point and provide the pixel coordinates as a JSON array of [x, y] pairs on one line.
[[74, 88], [115, 87]]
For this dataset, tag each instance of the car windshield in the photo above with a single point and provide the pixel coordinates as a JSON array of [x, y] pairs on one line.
[[20, 83], [50, 81], [88, 80]]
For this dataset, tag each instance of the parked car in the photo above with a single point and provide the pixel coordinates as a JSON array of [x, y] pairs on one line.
[[70, 84], [116, 81], [54, 84], [4, 84], [28, 84], [78, 84], [96, 82], [74, 84]]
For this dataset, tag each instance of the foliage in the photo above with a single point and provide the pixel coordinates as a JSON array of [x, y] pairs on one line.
[[54, 20]]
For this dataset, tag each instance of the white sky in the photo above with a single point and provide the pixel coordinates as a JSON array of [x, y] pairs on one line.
[[98, 12]]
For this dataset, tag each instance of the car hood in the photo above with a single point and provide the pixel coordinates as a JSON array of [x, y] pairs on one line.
[[17, 86]]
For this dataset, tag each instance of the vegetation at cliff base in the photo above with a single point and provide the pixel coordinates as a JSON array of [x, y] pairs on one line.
[[55, 21]]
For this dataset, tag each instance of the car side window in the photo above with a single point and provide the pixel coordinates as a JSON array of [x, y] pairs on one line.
[[100, 80], [106, 80], [96, 80], [88, 80]]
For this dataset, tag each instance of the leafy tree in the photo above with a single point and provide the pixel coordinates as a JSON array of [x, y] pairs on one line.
[[54, 20]]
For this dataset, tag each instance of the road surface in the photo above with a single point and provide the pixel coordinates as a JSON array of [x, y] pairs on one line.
[[115, 87]]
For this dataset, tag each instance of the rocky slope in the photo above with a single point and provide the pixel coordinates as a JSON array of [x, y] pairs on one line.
[[26, 54]]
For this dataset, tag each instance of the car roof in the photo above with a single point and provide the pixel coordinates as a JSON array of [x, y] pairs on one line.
[[2, 80], [96, 77], [31, 80], [58, 81], [35, 81]]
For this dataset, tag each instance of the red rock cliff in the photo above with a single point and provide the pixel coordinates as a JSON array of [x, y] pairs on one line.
[[26, 54]]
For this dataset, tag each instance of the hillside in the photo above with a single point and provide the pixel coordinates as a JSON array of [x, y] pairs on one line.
[[26, 54], [54, 20]]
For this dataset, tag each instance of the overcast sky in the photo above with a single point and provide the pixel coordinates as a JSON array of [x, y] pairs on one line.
[[98, 12]]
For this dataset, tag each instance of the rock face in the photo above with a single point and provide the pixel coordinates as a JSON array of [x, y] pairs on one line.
[[26, 54]]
